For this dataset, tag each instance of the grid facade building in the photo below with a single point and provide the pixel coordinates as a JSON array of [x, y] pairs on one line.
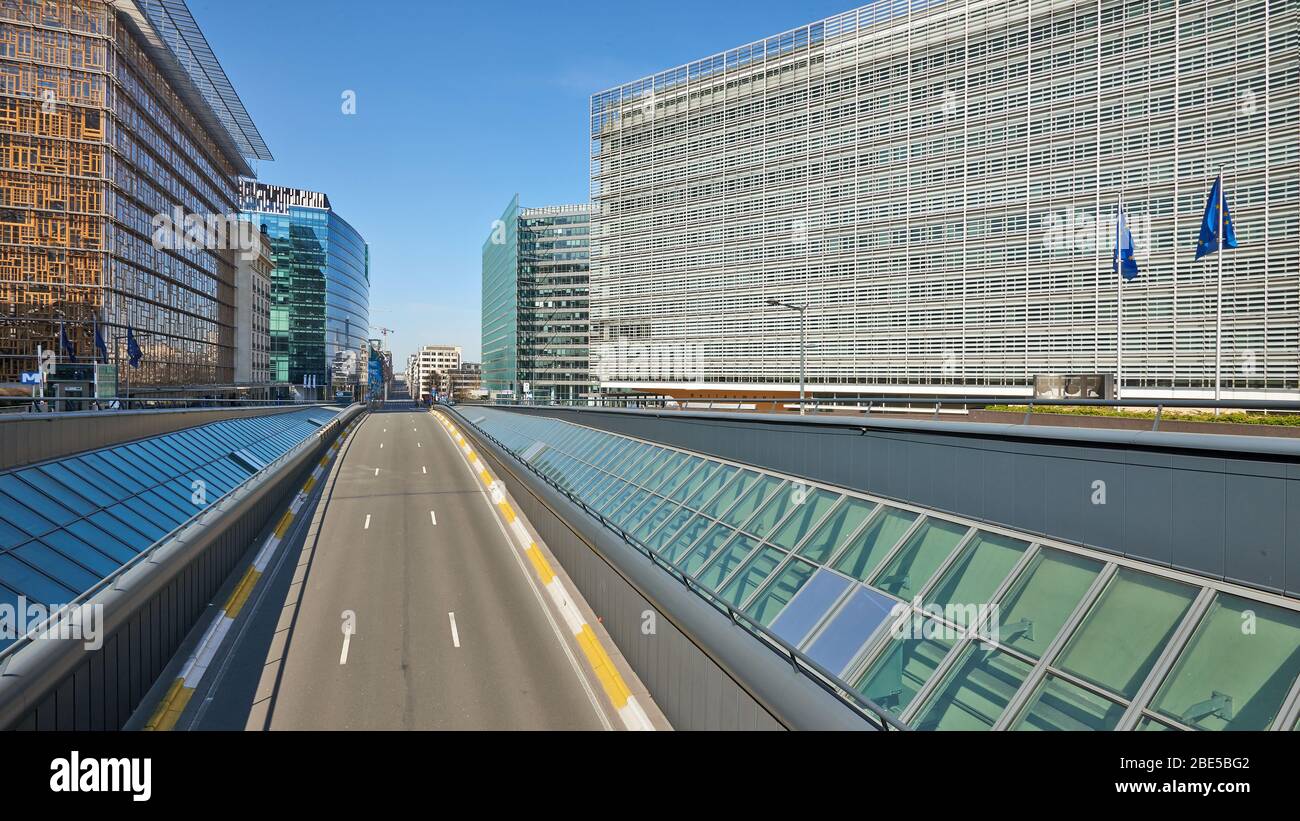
[[428, 369], [103, 127], [938, 183], [320, 286], [535, 302], [253, 318]]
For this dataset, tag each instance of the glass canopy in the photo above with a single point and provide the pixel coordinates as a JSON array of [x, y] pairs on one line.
[[67, 524], [948, 623]]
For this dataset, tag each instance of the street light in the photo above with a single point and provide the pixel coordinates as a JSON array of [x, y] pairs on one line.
[[803, 343]]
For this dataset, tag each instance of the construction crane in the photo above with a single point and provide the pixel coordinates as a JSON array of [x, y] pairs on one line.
[[385, 332]]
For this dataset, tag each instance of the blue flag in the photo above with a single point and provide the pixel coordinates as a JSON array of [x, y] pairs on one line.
[[69, 350], [133, 352], [1123, 261], [101, 350], [1208, 242]]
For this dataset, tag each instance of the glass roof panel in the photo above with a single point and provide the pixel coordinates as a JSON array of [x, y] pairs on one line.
[[1059, 704], [779, 591], [868, 548], [750, 577], [778, 505], [804, 517], [1122, 636], [1236, 670], [726, 561], [754, 498], [916, 562], [665, 534], [675, 548], [975, 691], [977, 573], [816, 598], [838, 526], [838, 643], [1042, 598], [733, 491], [905, 666]]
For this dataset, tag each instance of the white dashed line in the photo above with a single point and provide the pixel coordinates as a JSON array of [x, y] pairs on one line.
[[347, 639], [367, 527], [376, 471], [455, 636], [433, 517], [423, 469]]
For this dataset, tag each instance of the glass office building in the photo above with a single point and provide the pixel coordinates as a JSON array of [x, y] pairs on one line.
[[938, 182], [114, 113], [320, 288], [535, 312], [946, 622]]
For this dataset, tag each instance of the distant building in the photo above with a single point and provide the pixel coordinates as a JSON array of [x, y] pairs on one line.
[[535, 321], [320, 287], [466, 382], [253, 317], [428, 367]]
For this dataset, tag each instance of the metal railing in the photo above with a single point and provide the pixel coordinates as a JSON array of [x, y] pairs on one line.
[[801, 663], [82, 404]]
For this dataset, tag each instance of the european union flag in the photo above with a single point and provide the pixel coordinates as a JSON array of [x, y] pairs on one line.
[[1123, 261], [133, 352], [69, 350], [101, 350], [1208, 242]]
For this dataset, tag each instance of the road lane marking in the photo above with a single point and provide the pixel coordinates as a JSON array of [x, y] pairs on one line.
[[178, 695], [376, 471], [455, 636], [611, 681], [433, 517], [419, 444], [347, 639], [381, 445], [423, 469], [367, 527]]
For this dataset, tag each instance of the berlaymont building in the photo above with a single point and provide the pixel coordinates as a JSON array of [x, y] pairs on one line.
[[936, 185]]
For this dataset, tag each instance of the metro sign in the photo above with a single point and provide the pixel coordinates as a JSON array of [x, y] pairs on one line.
[[31, 378]]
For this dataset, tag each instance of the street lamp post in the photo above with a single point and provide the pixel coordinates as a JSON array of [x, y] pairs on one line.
[[803, 344]]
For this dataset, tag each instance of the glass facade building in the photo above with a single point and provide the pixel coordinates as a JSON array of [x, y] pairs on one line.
[[106, 127], [535, 295], [938, 182], [946, 622], [320, 286]]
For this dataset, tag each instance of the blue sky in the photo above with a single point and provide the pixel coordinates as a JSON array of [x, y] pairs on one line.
[[459, 106]]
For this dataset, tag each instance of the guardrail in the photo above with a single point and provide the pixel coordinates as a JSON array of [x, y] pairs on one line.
[[801, 663]]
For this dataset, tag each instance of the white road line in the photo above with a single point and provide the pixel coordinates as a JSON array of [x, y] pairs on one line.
[[381, 445], [376, 471], [367, 527], [455, 637], [419, 444], [423, 469], [343, 657], [433, 517]]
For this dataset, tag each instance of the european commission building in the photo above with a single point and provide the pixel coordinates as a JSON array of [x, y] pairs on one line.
[[937, 184]]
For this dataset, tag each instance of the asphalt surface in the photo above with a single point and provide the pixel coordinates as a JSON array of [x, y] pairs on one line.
[[408, 551]]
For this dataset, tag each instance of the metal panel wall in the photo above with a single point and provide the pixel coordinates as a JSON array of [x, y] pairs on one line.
[[1227, 507]]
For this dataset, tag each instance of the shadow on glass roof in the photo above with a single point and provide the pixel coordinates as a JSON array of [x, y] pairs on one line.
[[991, 629], [67, 524]]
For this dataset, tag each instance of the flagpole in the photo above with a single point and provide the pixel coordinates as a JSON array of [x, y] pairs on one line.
[[1119, 304], [1218, 311]]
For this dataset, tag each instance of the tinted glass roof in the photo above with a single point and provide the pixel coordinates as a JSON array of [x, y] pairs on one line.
[[1003, 630], [66, 525]]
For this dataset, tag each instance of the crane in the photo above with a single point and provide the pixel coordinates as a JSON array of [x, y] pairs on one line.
[[384, 331]]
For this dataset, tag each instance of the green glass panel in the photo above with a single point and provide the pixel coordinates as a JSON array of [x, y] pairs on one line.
[[977, 573], [709, 488], [869, 547], [750, 577], [705, 548], [832, 532], [727, 560], [752, 500], [1061, 705], [975, 692], [1042, 598], [925, 550], [1237, 668], [1125, 630], [702, 480], [905, 666], [665, 533], [674, 549], [676, 468], [1148, 724], [778, 593], [803, 517], [733, 491], [685, 476], [781, 503], [652, 522]]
